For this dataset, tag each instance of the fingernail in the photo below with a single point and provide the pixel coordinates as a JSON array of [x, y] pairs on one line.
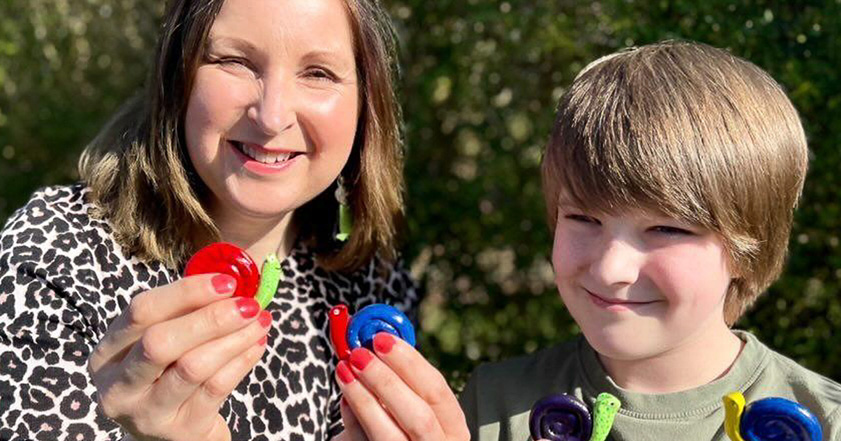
[[265, 319], [383, 342], [344, 373], [263, 340], [223, 284], [360, 357], [248, 307]]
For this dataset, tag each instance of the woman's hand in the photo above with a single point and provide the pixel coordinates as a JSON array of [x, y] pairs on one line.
[[397, 395], [169, 362]]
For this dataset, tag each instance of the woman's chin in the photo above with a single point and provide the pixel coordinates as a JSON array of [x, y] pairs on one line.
[[265, 205]]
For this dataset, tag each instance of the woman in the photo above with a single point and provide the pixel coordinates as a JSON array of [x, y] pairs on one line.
[[256, 113]]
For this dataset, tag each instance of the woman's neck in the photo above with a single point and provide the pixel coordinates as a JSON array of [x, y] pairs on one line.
[[699, 360], [259, 236]]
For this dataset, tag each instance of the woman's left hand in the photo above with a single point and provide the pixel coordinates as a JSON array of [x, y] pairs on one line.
[[397, 395]]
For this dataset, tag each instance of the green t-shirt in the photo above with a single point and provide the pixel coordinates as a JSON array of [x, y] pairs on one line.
[[499, 396]]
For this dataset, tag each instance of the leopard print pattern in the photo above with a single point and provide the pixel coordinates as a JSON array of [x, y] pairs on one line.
[[63, 279]]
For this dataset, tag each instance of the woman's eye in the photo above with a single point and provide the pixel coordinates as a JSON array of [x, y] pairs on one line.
[[233, 62], [320, 74]]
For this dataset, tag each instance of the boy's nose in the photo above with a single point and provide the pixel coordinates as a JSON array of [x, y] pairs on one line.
[[616, 263], [272, 111]]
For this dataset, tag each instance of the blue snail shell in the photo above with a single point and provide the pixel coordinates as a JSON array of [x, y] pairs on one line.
[[779, 419], [560, 417], [375, 318]]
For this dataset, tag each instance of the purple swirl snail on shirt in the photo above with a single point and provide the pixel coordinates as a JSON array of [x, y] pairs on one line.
[[565, 418]]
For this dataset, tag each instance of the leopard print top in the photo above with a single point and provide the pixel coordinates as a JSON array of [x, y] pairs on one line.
[[63, 279]]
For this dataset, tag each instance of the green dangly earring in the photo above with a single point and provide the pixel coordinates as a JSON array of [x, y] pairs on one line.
[[345, 215]]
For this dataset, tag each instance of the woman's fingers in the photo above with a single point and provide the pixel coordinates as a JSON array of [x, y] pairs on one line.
[[184, 376], [353, 430], [400, 367], [164, 343], [415, 416], [372, 417], [211, 395], [425, 380], [155, 306]]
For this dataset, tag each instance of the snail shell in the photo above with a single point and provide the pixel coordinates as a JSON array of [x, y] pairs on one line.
[[560, 418], [779, 419], [376, 318]]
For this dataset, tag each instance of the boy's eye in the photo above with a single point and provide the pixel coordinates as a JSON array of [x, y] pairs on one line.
[[674, 231], [583, 219]]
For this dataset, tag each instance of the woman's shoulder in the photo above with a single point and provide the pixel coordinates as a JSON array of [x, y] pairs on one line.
[[54, 218], [57, 208], [55, 237]]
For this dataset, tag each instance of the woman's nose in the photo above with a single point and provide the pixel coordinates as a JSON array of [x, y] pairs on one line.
[[616, 262], [273, 110]]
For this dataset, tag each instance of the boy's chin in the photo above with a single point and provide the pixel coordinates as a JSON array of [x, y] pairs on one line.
[[620, 344]]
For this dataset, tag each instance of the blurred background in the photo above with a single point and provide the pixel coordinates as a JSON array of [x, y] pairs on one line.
[[479, 84]]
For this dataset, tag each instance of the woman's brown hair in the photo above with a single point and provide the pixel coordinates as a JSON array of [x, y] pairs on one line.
[[143, 183], [695, 133]]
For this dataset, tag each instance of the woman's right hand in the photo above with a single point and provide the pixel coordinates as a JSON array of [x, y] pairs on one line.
[[169, 362]]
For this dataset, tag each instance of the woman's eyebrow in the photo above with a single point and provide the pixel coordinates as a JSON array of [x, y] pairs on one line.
[[330, 56], [214, 42]]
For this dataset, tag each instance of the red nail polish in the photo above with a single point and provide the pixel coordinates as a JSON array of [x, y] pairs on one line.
[[344, 373], [262, 341], [265, 319], [360, 357], [383, 342], [248, 307], [223, 284]]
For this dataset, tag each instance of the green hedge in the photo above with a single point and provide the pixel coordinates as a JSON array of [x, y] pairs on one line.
[[480, 80]]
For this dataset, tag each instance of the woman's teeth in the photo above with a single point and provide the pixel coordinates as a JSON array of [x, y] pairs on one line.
[[265, 158]]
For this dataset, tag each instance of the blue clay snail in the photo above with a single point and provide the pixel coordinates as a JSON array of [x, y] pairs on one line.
[[348, 333], [774, 418]]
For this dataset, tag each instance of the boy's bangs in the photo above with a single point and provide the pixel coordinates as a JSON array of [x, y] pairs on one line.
[[608, 162]]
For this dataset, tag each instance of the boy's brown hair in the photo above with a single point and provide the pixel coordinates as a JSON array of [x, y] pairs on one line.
[[690, 131]]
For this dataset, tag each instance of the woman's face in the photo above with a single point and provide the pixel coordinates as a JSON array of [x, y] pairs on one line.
[[273, 111]]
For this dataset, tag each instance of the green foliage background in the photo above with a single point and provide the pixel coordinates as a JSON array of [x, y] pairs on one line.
[[480, 80]]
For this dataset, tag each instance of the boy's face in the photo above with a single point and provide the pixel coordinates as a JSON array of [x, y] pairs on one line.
[[639, 284]]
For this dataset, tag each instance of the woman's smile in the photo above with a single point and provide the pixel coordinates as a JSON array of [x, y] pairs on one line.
[[262, 160]]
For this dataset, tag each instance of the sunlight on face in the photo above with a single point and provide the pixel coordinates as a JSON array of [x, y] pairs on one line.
[[639, 284], [274, 106]]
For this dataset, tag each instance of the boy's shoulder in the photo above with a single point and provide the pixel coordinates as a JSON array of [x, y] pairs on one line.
[[782, 376], [499, 395]]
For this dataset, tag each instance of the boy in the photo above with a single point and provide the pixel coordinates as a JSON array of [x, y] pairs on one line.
[[670, 180]]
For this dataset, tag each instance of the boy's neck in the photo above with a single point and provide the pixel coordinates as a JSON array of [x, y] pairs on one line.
[[698, 361]]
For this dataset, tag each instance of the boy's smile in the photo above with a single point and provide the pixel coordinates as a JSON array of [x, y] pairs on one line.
[[642, 286], [616, 304]]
